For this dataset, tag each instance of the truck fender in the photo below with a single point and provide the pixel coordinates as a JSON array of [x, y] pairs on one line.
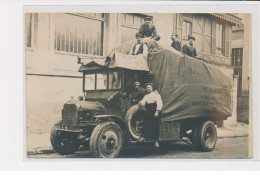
[[118, 120]]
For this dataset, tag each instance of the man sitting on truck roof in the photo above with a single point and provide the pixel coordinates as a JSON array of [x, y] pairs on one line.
[[188, 49], [139, 47], [175, 42], [152, 101], [148, 30]]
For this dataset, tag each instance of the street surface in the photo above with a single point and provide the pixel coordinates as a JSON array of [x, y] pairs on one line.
[[226, 148]]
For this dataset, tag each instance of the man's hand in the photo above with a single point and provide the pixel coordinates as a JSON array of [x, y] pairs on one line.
[[156, 114]]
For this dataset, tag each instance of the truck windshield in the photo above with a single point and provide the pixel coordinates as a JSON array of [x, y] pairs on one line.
[[103, 81]]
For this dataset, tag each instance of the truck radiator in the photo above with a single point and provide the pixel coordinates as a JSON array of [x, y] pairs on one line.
[[69, 114]]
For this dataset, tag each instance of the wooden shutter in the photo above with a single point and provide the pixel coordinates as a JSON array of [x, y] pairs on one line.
[[228, 33], [213, 45], [227, 47]]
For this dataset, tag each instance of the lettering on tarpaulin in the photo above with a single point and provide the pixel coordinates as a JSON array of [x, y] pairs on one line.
[[209, 97], [202, 103], [212, 90]]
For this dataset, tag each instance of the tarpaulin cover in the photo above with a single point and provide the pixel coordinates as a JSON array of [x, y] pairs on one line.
[[133, 62], [189, 87]]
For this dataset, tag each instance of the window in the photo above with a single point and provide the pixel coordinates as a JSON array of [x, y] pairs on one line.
[[114, 80], [102, 81], [130, 25], [31, 27], [237, 57], [89, 82], [220, 39], [79, 33], [187, 29], [237, 62]]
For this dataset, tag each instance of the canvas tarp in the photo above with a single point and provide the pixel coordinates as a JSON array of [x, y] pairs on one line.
[[133, 62], [189, 87]]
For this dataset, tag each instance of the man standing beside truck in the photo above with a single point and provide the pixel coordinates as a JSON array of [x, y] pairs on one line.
[[152, 101]]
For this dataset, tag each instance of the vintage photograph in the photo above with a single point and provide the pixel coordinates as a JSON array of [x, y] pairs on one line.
[[138, 85]]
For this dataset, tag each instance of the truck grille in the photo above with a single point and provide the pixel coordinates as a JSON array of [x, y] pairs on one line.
[[69, 114]]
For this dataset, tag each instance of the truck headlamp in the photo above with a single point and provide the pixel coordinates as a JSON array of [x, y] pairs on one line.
[[110, 98]]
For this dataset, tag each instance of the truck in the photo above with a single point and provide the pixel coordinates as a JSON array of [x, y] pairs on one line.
[[196, 96]]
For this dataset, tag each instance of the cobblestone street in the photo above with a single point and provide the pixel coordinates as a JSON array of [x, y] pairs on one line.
[[226, 148]]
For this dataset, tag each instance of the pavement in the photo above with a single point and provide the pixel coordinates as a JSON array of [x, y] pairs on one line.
[[40, 143]]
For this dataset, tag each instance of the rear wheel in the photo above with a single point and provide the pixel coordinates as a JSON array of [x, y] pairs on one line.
[[64, 142], [107, 140], [205, 136]]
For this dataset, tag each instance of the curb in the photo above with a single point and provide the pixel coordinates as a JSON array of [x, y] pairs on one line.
[[234, 136], [34, 151]]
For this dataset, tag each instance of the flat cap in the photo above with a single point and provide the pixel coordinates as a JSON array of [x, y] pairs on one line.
[[148, 84]]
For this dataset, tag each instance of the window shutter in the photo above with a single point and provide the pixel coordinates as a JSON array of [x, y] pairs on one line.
[[213, 45], [227, 48], [228, 34]]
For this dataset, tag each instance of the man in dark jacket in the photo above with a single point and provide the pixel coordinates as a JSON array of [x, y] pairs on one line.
[[149, 30], [137, 93], [189, 49], [139, 47], [175, 42]]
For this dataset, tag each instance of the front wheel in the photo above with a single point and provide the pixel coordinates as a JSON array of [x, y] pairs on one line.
[[205, 137], [107, 140], [64, 142]]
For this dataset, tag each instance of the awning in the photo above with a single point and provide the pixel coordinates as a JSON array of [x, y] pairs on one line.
[[228, 17]]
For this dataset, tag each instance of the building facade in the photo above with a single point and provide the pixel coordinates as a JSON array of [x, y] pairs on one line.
[[241, 61], [53, 42]]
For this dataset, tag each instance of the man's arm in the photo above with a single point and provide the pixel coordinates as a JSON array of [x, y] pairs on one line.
[[143, 101], [159, 105], [195, 53], [154, 32], [159, 102]]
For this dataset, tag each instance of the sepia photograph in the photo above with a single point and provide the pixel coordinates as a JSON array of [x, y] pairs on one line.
[[138, 85]]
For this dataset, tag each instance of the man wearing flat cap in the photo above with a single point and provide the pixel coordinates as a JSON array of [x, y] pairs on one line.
[[152, 101], [188, 49], [139, 47], [148, 30]]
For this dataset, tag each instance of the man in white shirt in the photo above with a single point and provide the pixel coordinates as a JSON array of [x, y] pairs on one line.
[[152, 101], [139, 47]]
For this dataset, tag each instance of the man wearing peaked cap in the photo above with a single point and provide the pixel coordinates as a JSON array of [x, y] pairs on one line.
[[149, 30], [188, 49]]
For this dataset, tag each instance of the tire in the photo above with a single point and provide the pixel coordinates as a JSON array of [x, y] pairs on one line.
[[133, 118], [205, 136], [107, 140], [63, 142]]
